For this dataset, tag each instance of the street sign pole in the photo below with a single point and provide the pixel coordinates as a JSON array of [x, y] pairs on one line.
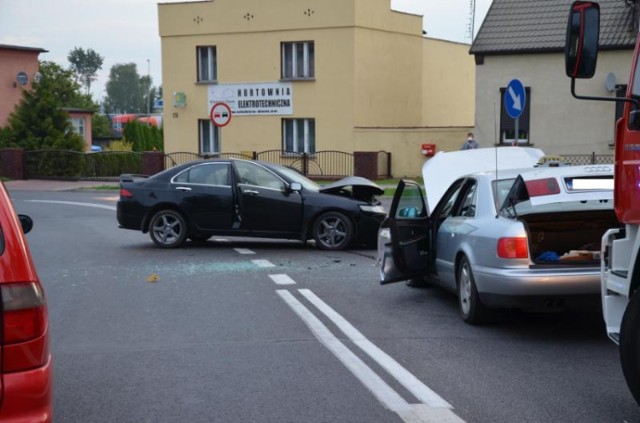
[[516, 124]]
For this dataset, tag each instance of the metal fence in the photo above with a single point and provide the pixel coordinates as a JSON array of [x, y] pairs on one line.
[[328, 164], [587, 159]]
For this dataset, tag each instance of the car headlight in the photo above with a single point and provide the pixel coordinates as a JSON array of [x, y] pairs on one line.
[[372, 209]]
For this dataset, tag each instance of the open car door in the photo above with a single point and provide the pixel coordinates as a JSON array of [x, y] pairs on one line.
[[404, 239]]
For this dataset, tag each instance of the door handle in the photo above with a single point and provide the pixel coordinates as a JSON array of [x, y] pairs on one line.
[[250, 191], [183, 188]]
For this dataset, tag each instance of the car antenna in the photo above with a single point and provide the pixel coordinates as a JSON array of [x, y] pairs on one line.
[[495, 134]]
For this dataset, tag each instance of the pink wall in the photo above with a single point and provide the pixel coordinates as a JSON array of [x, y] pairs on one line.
[[13, 61], [86, 116]]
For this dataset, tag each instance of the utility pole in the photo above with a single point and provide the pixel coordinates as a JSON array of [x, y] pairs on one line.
[[148, 88], [472, 18]]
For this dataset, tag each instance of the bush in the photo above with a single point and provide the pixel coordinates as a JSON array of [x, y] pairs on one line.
[[143, 137], [54, 164], [119, 145]]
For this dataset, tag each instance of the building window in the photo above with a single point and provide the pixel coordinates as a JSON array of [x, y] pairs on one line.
[[207, 64], [507, 124], [209, 137], [78, 126], [299, 135], [298, 60]]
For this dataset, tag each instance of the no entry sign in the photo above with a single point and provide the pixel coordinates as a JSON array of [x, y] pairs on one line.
[[220, 114]]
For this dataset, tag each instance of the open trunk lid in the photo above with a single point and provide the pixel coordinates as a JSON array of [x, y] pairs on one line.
[[441, 170], [551, 185]]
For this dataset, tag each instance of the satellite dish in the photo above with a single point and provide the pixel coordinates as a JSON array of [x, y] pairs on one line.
[[610, 82], [22, 78]]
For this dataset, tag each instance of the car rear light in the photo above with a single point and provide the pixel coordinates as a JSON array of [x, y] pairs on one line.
[[513, 248], [125, 193], [24, 326], [540, 187]]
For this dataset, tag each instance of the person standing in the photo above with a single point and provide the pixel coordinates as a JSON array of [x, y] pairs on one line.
[[470, 143]]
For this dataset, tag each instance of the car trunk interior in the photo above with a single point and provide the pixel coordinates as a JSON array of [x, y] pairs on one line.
[[568, 238]]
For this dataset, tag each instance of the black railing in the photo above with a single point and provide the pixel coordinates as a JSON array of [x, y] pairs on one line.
[[330, 164], [587, 159]]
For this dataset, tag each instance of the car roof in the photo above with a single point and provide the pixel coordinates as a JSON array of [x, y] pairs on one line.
[[444, 168]]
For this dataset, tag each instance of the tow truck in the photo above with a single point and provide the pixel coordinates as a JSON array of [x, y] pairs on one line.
[[620, 248]]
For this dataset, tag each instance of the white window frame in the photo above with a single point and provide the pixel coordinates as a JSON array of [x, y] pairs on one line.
[[302, 143], [210, 145], [79, 126], [308, 59], [211, 63]]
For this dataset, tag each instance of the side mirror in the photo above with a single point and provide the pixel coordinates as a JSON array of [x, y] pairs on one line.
[[581, 46], [26, 222], [295, 186]]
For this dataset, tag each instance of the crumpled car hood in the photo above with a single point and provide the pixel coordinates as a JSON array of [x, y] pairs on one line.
[[359, 186]]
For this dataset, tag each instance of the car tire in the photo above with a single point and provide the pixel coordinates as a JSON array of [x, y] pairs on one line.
[[630, 345], [332, 231], [471, 308], [168, 229]]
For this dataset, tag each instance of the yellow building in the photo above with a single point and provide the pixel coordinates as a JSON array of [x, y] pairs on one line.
[[310, 76]]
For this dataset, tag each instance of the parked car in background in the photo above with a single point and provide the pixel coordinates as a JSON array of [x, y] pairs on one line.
[[25, 371], [523, 238], [249, 198]]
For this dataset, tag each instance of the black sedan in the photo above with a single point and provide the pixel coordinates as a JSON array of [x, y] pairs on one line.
[[249, 198]]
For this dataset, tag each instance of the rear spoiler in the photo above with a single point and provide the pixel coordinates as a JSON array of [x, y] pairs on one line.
[[130, 177]]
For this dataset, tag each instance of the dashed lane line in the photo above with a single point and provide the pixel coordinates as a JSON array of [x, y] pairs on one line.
[[282, 279], [263, 263], [244, 251]]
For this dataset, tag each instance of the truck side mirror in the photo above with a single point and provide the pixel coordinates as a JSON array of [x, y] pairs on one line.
[[583, 32]]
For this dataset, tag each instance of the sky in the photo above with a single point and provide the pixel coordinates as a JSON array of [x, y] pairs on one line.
[[126, 31]]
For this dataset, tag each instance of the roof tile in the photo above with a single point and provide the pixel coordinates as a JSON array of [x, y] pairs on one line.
[[517, 26]]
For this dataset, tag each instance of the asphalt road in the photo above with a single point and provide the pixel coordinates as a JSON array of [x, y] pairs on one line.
[[209, 333]]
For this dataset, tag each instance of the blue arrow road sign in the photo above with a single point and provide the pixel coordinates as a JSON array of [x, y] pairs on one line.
[[514, 98]]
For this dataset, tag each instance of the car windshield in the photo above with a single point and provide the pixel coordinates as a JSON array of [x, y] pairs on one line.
[[295, 176]]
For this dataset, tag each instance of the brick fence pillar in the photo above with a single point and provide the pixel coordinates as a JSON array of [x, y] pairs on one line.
[[152, 162], [12, 163], [365, 164]]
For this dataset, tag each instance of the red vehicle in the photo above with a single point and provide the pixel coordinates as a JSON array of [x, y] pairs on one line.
[[620, 251], [25, 374]]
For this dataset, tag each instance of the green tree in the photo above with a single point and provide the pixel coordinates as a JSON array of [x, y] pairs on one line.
[[85, 64], [100, 126], [143, 137], [38, 121], [127, 91]]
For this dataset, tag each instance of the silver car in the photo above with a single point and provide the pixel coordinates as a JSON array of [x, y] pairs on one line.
[[526, 238]]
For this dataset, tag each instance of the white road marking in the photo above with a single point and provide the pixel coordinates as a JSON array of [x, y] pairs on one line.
[[244, 251], [402, 375], [220, 240], [282, 279], [74, 203], [436, 410], [385, 394], [263, 263]]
